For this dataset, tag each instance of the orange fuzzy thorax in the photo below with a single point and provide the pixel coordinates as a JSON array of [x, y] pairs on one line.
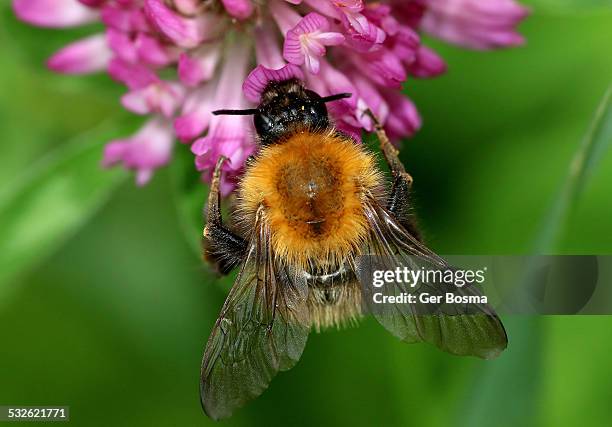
[[311, 187]]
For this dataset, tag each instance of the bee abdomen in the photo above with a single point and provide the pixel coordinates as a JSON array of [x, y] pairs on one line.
[[336, 305]]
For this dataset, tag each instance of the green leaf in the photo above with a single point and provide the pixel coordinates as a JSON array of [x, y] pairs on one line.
[[507, 385], [50, 200], [595, 143], [189, 196], [502, 393], [570, 5]]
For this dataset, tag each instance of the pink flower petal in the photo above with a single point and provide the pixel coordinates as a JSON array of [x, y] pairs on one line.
[[406, 43], [143, 176], [326, 8], [151, 51], [369, 98], [240, 9], [190, 126], [261, 76], [404, 119], [134, 76], [147, 150], [161, 98], [331, 38], [383, 67], [122, 45], [93, 3], [338, 82], [54, 13], [88, 55], [136, 102], [197, 113], [427, 64], [185, 32], [351, 14], [229, 136], [475, 24], [285, 16], [409, 12], [125, 19], [199, 65], [267, 48], [306, 42], [380, 15], [311, 23], [114, 152]]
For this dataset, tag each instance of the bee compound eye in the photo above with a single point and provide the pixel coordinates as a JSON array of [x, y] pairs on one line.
[[318, 114], [263, 123]]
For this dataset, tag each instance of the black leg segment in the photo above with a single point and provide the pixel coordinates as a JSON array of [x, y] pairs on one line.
[[399, 202], [222, 247], [400, 206]]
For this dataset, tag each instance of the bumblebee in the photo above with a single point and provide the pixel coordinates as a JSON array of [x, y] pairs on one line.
[[311, 204]]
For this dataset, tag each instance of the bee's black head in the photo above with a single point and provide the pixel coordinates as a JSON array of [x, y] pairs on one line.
[[285, 107]]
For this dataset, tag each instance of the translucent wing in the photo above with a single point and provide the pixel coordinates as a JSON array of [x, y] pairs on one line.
[[468, 329], [262, 329]]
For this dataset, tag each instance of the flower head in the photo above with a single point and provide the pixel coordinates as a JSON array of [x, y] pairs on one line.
[[224, 52]]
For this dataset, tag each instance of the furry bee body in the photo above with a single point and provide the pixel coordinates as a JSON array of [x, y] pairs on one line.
[[311, 187], [311, 206]]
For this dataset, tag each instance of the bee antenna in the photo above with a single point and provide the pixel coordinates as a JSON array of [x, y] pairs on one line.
[[247, 112], [336, 97]]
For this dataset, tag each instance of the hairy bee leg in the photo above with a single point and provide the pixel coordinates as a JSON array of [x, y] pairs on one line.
[[399, 202], [400, 206], [222, 247], [389, 151]]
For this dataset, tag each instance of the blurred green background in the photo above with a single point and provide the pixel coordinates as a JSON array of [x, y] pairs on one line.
[[105, 306]]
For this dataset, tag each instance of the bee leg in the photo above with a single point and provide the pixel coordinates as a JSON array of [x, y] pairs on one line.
[[389, 151], [221, 246], [400, 206], [399, 202]]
